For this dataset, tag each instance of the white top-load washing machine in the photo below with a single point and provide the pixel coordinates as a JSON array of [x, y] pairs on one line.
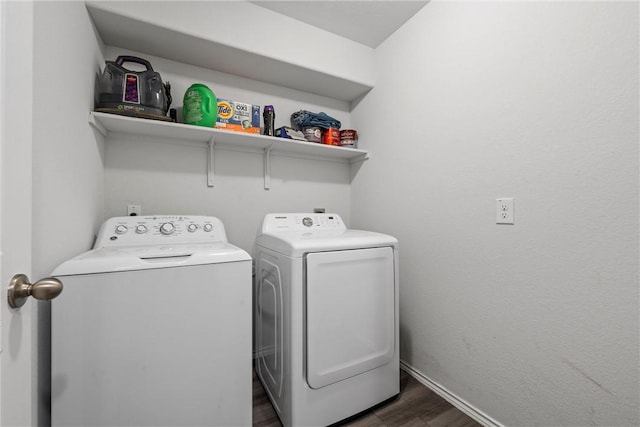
[[326, 318], [153, 327]]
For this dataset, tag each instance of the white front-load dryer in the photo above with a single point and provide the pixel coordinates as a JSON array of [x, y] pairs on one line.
[[326, 318], [153, 327]]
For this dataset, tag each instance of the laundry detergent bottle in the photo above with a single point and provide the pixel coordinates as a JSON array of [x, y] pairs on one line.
[[200, 106]]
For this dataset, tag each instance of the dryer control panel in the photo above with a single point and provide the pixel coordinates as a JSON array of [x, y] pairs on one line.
[[160, 229], [302, 222]]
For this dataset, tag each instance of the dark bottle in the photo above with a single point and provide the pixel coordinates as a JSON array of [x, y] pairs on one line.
[[269, 115]]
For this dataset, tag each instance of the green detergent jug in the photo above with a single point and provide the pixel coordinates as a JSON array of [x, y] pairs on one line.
[[200, 106]]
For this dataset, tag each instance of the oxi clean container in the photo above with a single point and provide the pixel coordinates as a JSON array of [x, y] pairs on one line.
[[199, 106]]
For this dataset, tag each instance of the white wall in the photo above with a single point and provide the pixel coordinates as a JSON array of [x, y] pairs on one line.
[[171, 179], [67, 153], [68, 169], [535, 323]]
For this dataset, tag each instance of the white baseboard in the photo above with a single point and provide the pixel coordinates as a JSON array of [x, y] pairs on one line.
[[459, 403]]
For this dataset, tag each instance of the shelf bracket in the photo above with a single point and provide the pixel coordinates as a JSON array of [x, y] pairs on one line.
[[210, 144], [267, 167], [97, 125]]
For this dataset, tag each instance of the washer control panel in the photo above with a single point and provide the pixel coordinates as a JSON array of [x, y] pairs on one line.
[[160, 229], [302, 222]]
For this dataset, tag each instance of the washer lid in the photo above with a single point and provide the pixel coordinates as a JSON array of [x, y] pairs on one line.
[[296, 244], [128, 258]]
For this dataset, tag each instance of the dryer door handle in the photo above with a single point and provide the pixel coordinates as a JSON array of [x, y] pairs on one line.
[[20, 289]]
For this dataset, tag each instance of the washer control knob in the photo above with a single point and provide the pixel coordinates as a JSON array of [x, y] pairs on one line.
[[167, 228], [121, 229], [192, 228], [141, 229], [207, 227], [307, 222]]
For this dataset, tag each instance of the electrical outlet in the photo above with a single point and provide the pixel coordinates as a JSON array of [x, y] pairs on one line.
[[134, 210], [504, 210]]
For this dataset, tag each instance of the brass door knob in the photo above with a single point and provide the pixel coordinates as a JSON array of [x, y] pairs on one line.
[[20, 289]]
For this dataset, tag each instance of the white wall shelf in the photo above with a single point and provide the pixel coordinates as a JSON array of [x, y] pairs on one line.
[[223, 139], [118, 26]]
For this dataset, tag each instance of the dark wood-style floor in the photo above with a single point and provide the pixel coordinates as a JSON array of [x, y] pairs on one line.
[[416, 406]]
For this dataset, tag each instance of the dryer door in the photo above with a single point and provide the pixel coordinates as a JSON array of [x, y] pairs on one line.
[[349, 313]]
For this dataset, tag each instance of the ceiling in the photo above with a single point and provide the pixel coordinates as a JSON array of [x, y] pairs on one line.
[[366, 22]]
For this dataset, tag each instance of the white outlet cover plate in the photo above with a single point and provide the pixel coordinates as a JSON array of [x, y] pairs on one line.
[[134, 210], [505, 213]]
